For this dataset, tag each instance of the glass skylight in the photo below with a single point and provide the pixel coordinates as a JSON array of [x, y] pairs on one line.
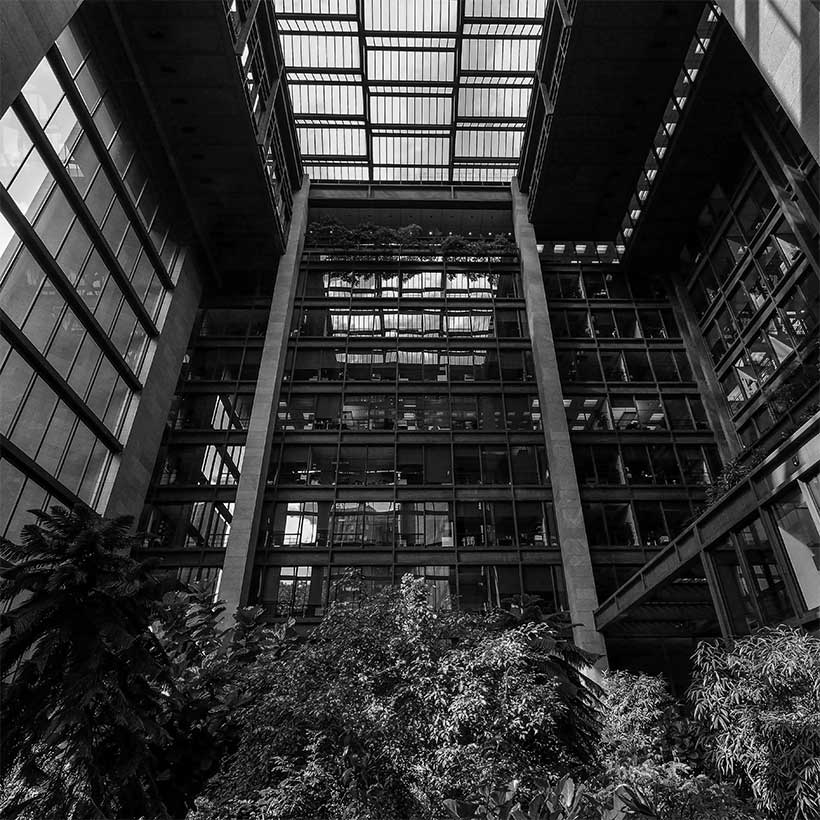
[[410, 90]]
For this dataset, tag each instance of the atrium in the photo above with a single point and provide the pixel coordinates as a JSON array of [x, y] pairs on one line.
[[516, 296]]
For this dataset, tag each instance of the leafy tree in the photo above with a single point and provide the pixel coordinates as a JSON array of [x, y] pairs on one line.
[[759, 699], [85, 686], [651, 760], [636, 713], [389, 708], [117, 700], [207, 666]]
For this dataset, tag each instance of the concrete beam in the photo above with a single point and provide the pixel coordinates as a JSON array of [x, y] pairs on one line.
[[238, 566], [28, 29], [580, 583], [410, 196]]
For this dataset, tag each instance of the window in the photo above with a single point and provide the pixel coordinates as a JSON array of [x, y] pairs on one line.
[[799, 534]]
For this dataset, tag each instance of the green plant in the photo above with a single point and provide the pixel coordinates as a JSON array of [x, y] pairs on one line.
[[389, 708], [651, 756], [733, 472], [562, 800], [759, 699], [207, 663], [118, 701], [86, 684], [383, 239], [636, 712]]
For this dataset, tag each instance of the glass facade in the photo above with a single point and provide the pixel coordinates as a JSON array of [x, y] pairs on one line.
[[408, 435], [754, 280], [190, 507], [768, 570], [641, 443], [89, 254], [408, 431]]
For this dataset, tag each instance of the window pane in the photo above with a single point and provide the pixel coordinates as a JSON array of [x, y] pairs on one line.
[[43, 92], [801, 540]]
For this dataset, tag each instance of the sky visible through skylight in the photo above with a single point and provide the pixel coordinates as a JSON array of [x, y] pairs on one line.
[[410, 90]]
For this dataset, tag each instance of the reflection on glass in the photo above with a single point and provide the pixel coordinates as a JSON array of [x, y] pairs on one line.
[[801, 540]]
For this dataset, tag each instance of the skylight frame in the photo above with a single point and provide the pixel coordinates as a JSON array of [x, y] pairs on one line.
[[405, 55]]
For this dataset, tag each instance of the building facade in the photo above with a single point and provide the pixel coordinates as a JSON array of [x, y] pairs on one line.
[[522, 309]]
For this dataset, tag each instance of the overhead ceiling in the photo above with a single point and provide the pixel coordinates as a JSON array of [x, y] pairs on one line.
[[410, 90], [617, 67], [176, 57]]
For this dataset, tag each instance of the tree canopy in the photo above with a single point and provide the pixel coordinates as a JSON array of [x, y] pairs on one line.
[[389, 708]]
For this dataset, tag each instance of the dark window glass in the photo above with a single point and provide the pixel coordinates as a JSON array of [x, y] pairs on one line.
[[466, 464], [637, 365]]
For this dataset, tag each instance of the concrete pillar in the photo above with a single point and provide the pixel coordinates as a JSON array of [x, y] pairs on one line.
[[581, 594], [238, 566], [147, 424]]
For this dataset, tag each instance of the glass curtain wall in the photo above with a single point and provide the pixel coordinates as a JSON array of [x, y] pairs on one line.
[[754, 279], [408, 436], [641, 443], [89, 254], [190, 506]]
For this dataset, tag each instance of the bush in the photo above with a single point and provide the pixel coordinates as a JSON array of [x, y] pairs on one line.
[[758, 698], [650, 746], [389, 708]]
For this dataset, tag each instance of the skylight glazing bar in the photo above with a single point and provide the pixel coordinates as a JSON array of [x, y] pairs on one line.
[[420, 69]]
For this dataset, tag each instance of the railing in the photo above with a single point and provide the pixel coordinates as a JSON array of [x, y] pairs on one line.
[[752, 492], [261, 84]]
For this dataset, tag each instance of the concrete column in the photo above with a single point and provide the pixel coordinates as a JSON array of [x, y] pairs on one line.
[[783, 39], [575, 557], [147, 422], [238, 566]]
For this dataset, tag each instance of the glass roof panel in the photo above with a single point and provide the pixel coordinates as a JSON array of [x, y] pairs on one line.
[[406, 108], [394, 90]]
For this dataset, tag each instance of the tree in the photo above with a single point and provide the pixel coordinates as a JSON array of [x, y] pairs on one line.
[[389, 708], [118, 700], [759, 699], [636, 716], [208, 669], [85, 685], [651, 759]]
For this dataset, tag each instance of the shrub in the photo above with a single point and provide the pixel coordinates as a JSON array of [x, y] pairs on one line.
[[390, 707], [759, 699]]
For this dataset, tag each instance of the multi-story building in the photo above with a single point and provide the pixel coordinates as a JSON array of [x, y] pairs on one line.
[[520, 300]]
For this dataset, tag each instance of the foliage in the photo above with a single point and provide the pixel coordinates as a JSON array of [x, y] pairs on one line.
[[733, 472], [382, 238], [117, 700], [458, 246], [650, 750], [666, 793], [390, 707], [675, 791], [207, 664], [759, 699], [121, 701], [85, 682], [636, 711]]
